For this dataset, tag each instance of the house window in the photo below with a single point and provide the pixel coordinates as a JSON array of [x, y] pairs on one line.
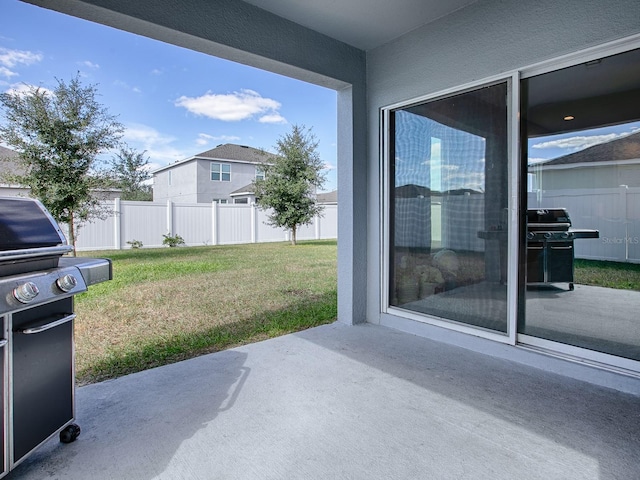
[[220, 172], [220, 200], [447, 196], [241, 201], [259, 173]]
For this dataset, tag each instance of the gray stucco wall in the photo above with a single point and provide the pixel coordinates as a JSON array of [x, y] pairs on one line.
[[484, 39]]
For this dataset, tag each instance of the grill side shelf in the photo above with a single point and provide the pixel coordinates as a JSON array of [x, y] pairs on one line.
[[93, 270]]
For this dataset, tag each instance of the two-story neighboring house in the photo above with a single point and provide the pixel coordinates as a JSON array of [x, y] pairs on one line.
[[224, 174]]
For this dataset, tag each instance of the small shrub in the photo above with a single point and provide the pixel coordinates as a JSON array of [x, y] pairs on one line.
[[135, 243], [172, 240]]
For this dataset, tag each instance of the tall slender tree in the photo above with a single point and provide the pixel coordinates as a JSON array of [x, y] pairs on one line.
[[292, 178], [58, 135], [129, 170]]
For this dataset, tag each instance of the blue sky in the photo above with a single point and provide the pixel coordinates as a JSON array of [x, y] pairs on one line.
[[173, 102]]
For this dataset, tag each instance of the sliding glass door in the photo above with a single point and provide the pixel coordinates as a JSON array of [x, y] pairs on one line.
[[581, 159], [558, 267], [448, 204]]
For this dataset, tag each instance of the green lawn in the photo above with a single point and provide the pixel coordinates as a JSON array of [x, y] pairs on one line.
[[168, 304], [607, 274]]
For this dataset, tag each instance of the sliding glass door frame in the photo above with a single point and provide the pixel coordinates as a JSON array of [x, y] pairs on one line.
[[386, 140]]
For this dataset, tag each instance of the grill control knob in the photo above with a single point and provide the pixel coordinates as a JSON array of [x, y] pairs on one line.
[[565, 235], [531, 235], [67, 283], [26, 292], [548, 235]]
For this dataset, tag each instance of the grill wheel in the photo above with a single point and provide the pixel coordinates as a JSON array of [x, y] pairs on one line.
[[70, 433]]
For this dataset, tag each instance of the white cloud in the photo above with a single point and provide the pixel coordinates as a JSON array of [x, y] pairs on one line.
[[580, 142], [226, 138], [23, 89], [126, 86], [158, 147], [12, 58], [534, 161], [328, 166], [5, 72], [471, 180], [233, 107], [205, 139], [90, 64], [272, 118]]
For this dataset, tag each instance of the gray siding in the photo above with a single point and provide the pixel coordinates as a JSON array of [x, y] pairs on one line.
[[589, 177], [182, 189], [242, 174]]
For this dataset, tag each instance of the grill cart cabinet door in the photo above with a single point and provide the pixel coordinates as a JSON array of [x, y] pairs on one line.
[[560, 262], [42, 374], [535, 262]]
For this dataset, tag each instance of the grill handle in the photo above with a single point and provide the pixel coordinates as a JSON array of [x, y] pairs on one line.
[[47, 326]]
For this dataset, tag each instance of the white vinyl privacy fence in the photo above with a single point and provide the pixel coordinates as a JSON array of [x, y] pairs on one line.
[[614, 212], [197, 223], [454, 222]]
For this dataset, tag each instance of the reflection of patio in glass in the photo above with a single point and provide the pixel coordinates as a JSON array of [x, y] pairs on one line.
[[596, 318]]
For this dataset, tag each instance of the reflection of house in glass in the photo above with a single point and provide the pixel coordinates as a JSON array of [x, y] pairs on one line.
[[600, 187], [606, 165]]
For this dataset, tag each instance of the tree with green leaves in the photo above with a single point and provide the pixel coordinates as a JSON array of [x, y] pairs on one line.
[[129, 170], [291, 180], [58, 135]]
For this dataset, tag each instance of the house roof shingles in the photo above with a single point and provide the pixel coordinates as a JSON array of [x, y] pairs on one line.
[[328, 197], [248, 189], [228, 151], [242, 153]]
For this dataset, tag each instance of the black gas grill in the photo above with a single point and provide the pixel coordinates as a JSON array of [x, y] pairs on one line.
[[550, 249], [37, 285]]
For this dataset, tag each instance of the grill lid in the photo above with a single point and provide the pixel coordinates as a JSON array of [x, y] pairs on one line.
[[26, 224], [548, 219]]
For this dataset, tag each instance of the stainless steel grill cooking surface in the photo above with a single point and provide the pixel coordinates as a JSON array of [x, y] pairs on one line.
[[550, 248], [37, 285]]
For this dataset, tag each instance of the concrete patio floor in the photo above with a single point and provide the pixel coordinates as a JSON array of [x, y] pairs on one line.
[[362, 402]]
